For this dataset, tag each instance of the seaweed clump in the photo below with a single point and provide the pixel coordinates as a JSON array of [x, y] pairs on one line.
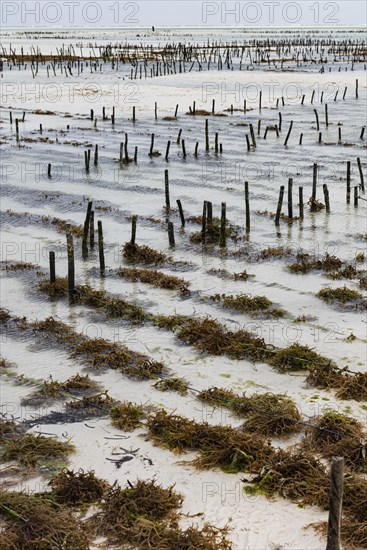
[[112, 306], [242, 276], [36, 522], [274, 252], [297, 357], [58, 289], [347, 385], [99, 352], [210, 336], [127, 416], [154, 278], [343, 295], [142, 254], [18, 266], [7, 429], [339, 435], [306, 263], [53, 389], [32, 450], [219, 446], [100, 403], [295, 476], [145, 516], [267, 414], [272, 415], [253, 305], [76, 488], [178, 385], [98, 299]]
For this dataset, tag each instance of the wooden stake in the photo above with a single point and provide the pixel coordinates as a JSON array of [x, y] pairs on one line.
[[125, 148], [133, 229], [209, 210], [348, 182], [289, 133], [86, 161], [167, 149], [206, 135], [300, 202], [171, 234], [102, 265], [280, 122], [326, 115], [71, 265], [248, 143], [203, 223], [223, 221], [52, 267], [86, 229], [253, 139], [335, 506], [183, 149], [317, 120], [91, 230], [134, 114], [290, 198], [356, 195], [96, 155], [247, 205], [357, 88], [360, 173], [151, 145], [180, 209], [280, 203], [326, 197], [166, 188], [314, 182]]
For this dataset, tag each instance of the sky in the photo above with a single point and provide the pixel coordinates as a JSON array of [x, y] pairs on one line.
[[146, 13]]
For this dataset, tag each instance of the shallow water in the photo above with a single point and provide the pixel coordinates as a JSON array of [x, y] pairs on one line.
[[124, 190]]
